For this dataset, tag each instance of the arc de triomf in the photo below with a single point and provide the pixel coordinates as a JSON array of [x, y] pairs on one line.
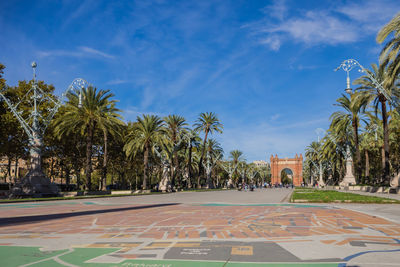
[[294, 164]]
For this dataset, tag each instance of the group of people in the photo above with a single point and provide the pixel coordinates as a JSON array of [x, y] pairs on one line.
[[251, 187], [246, 187]]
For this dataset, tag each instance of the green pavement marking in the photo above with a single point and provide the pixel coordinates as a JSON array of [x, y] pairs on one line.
[[80, 255], [49, 263], [15, 256], [186, 263], [273, 205]]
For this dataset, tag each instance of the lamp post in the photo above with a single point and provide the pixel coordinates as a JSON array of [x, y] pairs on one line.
[[321, 180], [35, 183], [347, 66]]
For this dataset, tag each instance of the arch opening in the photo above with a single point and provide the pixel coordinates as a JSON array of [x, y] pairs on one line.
[[286, 176]]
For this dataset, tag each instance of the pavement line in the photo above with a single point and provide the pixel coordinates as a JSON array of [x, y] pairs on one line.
[[52, 258]]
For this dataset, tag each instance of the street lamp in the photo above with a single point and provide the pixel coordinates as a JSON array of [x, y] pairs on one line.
[[347, 66], [35, 183], [321, 180]]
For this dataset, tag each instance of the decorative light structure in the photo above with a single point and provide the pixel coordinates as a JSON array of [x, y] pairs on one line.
[[35, 183], [347, 66], [321, 179]]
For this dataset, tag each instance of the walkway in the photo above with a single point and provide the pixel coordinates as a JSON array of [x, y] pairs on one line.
[[219, 228]]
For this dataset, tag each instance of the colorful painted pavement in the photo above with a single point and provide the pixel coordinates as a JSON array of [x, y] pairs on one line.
[[94, 234]]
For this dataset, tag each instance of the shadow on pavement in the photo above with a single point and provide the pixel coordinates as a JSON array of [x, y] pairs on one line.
[[45, 217]]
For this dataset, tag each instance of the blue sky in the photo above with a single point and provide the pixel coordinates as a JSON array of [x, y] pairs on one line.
[[265, 67]]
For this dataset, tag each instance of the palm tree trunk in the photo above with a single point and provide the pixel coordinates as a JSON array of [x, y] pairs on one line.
[[383, 162], [386, 172], [145, 165], [9, 168], [190, 163], [201, 160], [366, 165], [16, 168], [104, 173], [67, 176], [78, 174], [358, 154], [88, 167]]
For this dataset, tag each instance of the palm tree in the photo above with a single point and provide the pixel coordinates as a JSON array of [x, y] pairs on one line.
[[84, 119], [354, 108], [146, 132], [193, 141], [236, 156], [174, 126], [110, 124], [374, 95], [214, 153], [313, 156], [207, 122], [390, 56]]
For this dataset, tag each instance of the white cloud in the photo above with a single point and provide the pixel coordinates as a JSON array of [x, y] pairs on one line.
[[117, 81], [314, 28], [82, 51], [347, 24], [277, 10], [96, 52], [273, 41], [275, 117]]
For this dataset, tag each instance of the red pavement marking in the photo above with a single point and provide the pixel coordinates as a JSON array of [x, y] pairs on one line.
[[185, 222]]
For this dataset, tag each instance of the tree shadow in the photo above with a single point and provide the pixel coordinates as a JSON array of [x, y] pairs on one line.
[[45, 217]]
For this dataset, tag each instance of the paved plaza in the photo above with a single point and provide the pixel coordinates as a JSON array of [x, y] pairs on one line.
[[218, 228]]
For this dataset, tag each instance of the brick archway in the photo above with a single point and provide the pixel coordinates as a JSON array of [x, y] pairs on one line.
[[294, 164]]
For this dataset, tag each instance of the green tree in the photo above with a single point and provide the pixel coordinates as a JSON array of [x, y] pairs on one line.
[[85, 119], [207, 122], [390, 54], [110, 124], [372, 94], [313, 156], [143, 135], [174, 127], [354, 108], [193, 141]]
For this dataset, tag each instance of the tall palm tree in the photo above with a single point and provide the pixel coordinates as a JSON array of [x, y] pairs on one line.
[[214, 153], [147, 131], [110, 124], [174, 126], [372, 94], [313, 156], [354, 108], [84, 119], [390, 54], [193, 141], [207, 122], [236, 156]]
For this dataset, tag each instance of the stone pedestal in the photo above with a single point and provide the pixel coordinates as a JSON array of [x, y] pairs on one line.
[[395, 181], [34, 184], [165, 183], [349, 178], [321, 179], [230, 183]]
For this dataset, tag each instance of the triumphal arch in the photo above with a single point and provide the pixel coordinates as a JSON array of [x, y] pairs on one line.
[[294, 164]]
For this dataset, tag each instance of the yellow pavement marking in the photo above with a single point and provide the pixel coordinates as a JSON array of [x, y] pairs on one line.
[[242, 250]]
